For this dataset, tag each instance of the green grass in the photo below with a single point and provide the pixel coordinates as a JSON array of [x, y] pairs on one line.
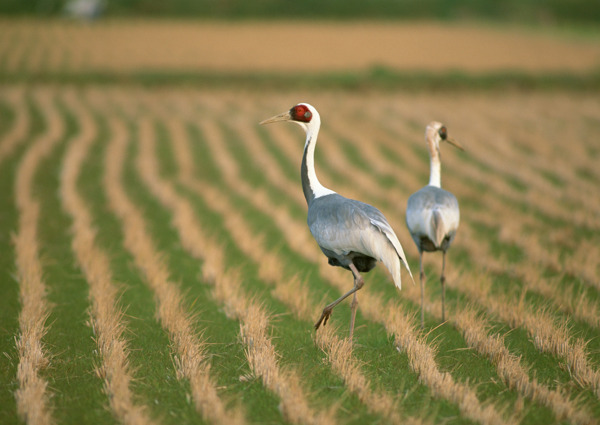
[[377, 78], [69, 340], [9, 302], [77, 391]]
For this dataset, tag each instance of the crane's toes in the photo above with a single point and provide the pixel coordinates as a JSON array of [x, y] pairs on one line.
[[324, 318]]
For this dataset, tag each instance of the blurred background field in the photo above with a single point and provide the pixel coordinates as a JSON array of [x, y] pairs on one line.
[[412, 45]]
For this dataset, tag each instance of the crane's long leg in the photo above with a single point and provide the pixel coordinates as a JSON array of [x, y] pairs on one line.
[[358, 283], [358, 280], [422, 278], [443, 282]]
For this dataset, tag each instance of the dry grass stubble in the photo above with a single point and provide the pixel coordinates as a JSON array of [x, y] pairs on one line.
[[33, 399], [190, 358], [106, 317]]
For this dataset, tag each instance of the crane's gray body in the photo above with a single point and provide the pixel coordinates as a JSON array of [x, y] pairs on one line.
[[432, 217], [344, 230], [350, 231]]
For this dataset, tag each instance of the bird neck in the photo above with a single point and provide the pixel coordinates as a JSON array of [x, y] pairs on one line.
[[435, 167], [310, 183]]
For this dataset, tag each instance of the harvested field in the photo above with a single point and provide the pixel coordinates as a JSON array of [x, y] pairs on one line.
[[170, 226]]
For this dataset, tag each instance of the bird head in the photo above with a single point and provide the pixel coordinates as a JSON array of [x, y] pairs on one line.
[[437, 132], [302, 114]]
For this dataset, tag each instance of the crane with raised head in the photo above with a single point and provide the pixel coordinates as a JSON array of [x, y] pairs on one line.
[[432, 213], [351, 234]]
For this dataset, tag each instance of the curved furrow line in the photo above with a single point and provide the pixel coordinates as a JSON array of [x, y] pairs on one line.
[[254, 320], [584, 261], [551, 140], [291, 292], [422, 358], [398, 324], [20, 127], [365, 137], [569, 202], [541, 255], [566, 300], [547, 335], [267, 163], [475, 330], [106, 318], [33, 399], [190, 357]]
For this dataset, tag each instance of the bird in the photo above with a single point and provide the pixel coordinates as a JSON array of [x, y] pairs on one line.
[[352, 234], [432, 213]]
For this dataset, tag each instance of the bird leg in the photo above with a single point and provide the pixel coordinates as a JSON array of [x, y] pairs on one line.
[[443, 282], [422, 278], [358, 283], [354, 307]]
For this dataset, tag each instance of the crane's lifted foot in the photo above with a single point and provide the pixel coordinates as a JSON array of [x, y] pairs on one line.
[[358, 283], [324, 316]]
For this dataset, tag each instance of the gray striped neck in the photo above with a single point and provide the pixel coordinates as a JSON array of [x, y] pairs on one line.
[[310, 183]]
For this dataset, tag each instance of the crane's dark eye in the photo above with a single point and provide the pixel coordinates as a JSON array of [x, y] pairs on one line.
[[301, 113], [443, 133]]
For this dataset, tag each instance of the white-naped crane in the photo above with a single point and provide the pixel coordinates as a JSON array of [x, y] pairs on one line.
[[432, 213], [352, 234]]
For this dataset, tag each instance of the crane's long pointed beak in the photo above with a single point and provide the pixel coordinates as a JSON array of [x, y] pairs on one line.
[[455, 143], [281, 117]]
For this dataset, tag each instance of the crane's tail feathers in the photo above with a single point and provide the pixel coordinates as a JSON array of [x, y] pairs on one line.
[[393, 260], [439, 227]]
